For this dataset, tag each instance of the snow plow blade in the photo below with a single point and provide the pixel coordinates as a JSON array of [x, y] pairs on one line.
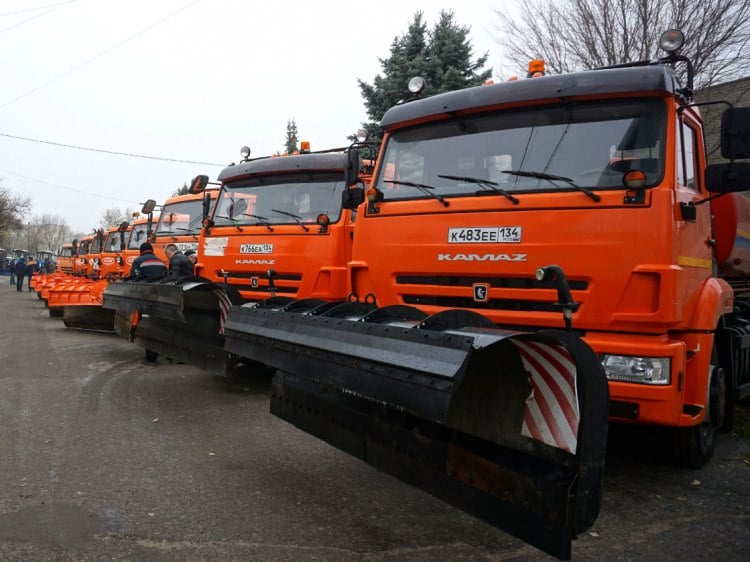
[[508, 426], [89, 317], [180, 319], [83, 309]]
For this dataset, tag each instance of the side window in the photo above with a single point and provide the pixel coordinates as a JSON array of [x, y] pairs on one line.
[[686, 163]]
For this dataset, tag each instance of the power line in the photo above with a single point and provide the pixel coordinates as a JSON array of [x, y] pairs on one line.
[[97, 56], [37, 8], [130, 155], [68, 188], [20, 23]]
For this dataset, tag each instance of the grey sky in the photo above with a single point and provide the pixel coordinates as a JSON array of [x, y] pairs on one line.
[[184, 79]]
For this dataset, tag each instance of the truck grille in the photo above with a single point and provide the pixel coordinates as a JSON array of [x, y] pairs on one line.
[[436, 281]]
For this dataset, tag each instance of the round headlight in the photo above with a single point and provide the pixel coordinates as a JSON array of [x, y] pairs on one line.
[[416, 84], [361, 135], [671, 40], [245, 152]]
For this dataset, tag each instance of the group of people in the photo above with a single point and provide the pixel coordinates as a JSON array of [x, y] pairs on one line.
[[149, 267], [21, 270], [146, 266]]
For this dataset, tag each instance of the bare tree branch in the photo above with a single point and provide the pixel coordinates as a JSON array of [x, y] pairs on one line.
[[581, 34]]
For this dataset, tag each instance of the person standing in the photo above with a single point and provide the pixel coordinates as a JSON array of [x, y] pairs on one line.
[[179, 264], [31, 268], [19, 270], [147, 267]]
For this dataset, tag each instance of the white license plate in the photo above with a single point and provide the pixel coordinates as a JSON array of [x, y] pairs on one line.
[[485, 235], [256, 248]]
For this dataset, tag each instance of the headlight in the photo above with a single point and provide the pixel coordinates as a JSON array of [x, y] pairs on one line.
[[643, 370]]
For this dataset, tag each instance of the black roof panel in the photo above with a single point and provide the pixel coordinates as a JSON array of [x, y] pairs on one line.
[[281, 164], [627, 80]]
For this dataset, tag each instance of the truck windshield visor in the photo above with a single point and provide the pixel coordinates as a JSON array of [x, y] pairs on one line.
[[541, 149]]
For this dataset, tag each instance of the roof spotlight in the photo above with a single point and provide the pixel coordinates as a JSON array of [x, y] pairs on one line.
[[416, 85], [672, 40], [245, 152]]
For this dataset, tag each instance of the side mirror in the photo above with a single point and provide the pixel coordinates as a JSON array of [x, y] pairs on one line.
[[352, 198], [148, 206], [198, 184], [735, 133], [351, 172], [728, 178]]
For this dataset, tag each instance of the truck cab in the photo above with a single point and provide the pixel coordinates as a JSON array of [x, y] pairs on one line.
[[279, 228], [598, 176]]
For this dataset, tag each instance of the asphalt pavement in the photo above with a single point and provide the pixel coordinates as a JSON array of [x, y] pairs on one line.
[[106, 457]]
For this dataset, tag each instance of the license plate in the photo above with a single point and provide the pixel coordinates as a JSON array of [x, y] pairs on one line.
[[485, 235]]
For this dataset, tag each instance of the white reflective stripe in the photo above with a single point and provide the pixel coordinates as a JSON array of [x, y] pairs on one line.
[[552, 412]]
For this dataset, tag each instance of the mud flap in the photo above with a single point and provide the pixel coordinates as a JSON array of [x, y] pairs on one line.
[[179, 319], [508, 426]]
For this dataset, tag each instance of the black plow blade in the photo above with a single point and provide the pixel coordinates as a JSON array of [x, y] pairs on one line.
[[181, 320], [89, 317], [508, 426]]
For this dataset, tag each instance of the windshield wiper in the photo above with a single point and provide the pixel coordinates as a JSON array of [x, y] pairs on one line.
[[234, 221], [553, 178], [188, 230], [494, 186], [426, 189], [262, 221], [297, 218]]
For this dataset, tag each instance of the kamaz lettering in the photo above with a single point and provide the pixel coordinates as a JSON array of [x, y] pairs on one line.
[[482, 257], [255, 262]]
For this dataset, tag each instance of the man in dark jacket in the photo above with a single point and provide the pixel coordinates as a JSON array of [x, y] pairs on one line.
[[19, 270], [147, 267], [32, 268], [179, 264]]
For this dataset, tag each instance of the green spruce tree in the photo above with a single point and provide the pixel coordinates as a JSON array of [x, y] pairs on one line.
[[442, 56], [292, 140]]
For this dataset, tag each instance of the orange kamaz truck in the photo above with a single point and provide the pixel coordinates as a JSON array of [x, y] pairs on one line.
[[281, 227], [508, 214]]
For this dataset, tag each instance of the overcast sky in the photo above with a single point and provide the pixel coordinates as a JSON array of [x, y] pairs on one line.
[[189, 80]]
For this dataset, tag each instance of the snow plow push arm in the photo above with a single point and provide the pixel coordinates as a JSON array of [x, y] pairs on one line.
[[508, 426]]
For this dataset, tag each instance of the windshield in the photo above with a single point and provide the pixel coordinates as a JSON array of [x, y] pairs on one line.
[[556, 147], [96, 245], [280, 199], [112, 244], [138, 235], [184, 217]]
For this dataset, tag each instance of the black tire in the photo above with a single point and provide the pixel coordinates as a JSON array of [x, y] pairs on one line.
[[56, 311], [151, 356], [692, 447]]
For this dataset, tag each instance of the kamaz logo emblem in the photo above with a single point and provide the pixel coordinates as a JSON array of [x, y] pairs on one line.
[[481, 292], [482, 257], [254, 282]]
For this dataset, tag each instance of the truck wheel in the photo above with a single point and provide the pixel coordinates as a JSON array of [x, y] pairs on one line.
[[692, 447], [720, 400]]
